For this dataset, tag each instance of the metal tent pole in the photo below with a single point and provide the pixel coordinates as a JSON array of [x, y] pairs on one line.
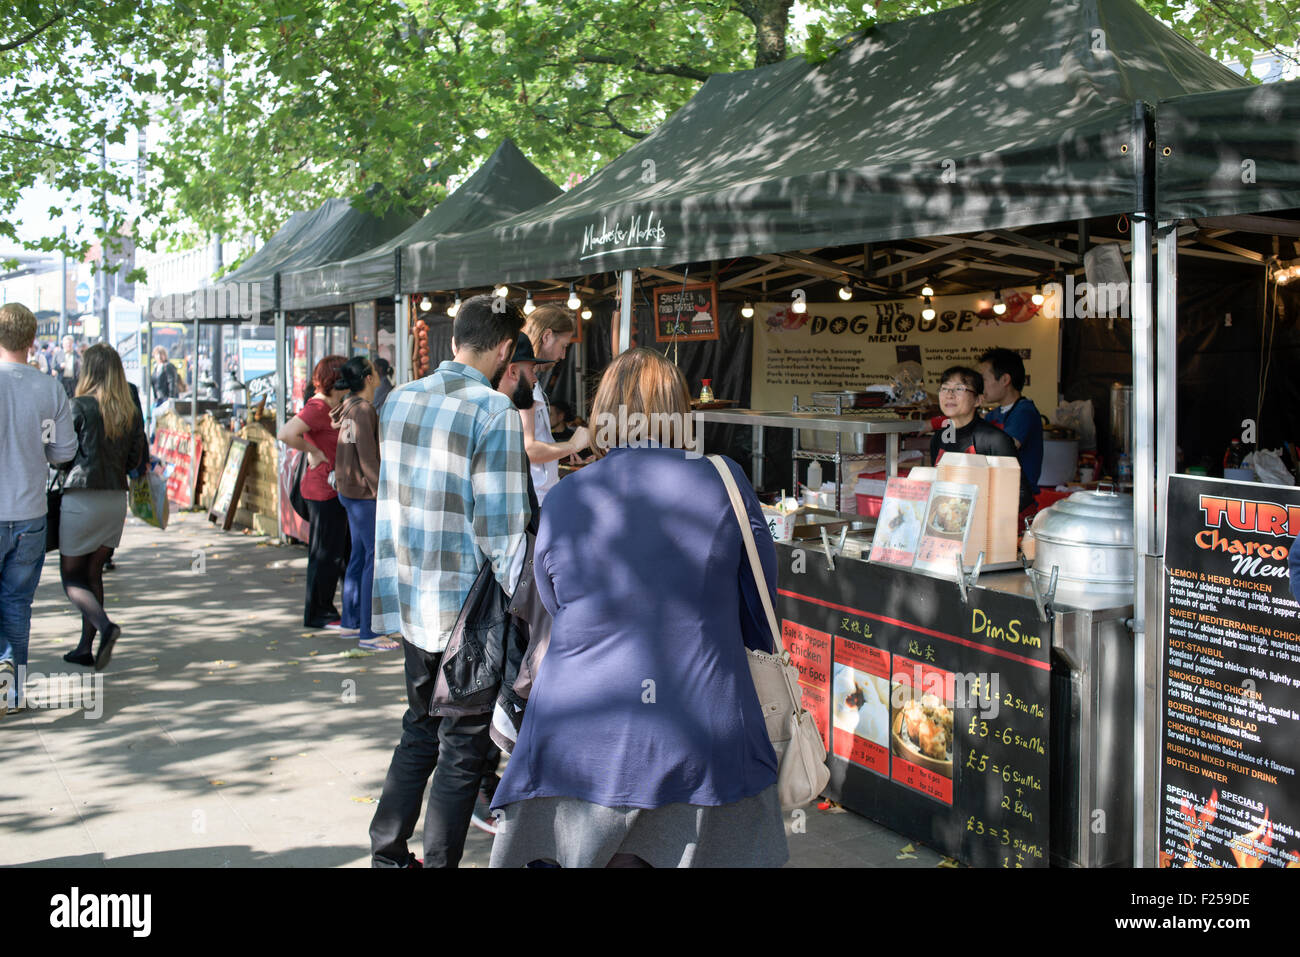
[[402, 327], [194, 383], [625, 313], [281, 373], [1146, 564]]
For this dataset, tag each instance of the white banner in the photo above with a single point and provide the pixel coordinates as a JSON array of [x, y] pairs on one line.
[[850, 345]]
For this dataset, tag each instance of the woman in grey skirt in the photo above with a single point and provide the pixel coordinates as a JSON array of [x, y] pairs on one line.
[[643, 744], [110, 439]]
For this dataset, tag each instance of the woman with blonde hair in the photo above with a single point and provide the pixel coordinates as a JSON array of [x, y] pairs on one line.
[[110, 441], [643, 743]]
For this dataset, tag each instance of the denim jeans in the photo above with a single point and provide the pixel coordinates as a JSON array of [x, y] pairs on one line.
[[359, 580], [22, 555], [454, 751]]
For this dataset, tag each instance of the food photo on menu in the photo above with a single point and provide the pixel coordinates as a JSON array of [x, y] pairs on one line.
[[947, 523], [921, 729], [862, 704]]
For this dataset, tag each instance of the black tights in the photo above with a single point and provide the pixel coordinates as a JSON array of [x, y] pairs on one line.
[[83, 583]]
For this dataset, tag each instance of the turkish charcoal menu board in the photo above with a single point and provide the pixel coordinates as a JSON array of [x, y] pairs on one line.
[[935, 711], [1229, 795]]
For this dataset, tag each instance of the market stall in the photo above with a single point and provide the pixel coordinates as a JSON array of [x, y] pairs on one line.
[[850, 179]]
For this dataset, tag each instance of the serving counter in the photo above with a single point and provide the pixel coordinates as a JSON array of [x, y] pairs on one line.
[[990, 724]]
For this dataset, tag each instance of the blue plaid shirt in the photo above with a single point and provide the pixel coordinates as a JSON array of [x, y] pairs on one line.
[[453, 488]]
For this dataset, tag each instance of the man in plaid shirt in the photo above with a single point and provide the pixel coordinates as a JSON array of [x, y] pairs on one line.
[[453, 493]]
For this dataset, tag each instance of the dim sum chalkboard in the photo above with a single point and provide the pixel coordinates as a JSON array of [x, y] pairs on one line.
[[686, 312], [937, 710], [233, 473], [1230, 705]]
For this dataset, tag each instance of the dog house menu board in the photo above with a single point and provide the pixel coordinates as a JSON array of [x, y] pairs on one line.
[[1229, 794], [935, 711], [686, 312]]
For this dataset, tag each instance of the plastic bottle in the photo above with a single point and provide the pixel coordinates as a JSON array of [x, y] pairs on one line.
[[706, 392], [1125, 469], [815, 476]]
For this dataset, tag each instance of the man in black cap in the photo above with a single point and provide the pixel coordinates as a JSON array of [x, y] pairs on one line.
[[528, 364]]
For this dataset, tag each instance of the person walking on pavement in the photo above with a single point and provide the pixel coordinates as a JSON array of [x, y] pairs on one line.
[[67, 365], [314, 432], [452, 495], [110, 442], [644, 744], [356, 472], [35, 432]]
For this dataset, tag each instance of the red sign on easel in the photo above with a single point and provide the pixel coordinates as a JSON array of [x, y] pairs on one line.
[[181, 453]]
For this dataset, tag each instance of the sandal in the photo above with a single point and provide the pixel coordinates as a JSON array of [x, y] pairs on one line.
[[377, 644]]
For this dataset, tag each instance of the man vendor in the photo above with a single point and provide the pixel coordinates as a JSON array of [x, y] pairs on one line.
[[960, 389], [1004, 377]]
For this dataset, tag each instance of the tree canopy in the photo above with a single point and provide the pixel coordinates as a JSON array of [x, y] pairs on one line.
[[271, 106]]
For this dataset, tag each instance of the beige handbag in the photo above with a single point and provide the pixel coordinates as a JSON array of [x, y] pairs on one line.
[[801, 774]]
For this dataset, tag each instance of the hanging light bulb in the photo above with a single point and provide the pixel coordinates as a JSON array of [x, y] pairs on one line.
[[454, 307], [799, 306], [586, 312], [747, 310], [1037, 297], [999, 307], [425, 303], [846, 291], [574, 302], [927, 290], [501, 291], [529, 305], [928, 312]]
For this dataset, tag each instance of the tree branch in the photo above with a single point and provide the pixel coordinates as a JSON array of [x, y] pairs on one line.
[[15, 44], [641, 66], [615, 124], [1224, 11]]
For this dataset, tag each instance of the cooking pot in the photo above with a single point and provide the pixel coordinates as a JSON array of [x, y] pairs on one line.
[[1089, 538]]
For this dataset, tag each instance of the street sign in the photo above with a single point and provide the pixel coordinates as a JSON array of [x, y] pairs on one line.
[[83, 293]]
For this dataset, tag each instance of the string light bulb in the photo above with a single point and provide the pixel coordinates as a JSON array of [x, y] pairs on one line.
[[747, 310], [799, 306], [999, 307], [574, 302], [586, 312], [1037, 297], [927, 290], [425, 303], [529, 305], [454, 307], [501, 291], [846, 292], [928, 312]]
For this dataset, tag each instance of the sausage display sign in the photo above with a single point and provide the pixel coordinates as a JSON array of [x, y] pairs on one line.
[[1230, 704], [686, 312]]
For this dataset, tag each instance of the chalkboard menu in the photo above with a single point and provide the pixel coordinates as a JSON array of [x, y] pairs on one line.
[[1230, 704], [935, 710], [233, 473], [686, 312]]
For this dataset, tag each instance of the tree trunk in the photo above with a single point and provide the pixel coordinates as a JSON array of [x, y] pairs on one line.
[[771, 19]]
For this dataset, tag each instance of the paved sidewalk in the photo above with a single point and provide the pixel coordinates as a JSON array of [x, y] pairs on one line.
[[230, 736]]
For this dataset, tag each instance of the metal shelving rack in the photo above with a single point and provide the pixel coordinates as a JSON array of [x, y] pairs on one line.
[[822, 419]]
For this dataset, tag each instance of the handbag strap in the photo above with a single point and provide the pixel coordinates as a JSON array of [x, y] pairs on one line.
[[747, 533]]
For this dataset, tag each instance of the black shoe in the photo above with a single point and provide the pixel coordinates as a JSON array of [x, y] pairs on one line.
[[86, 658], [107, 640]]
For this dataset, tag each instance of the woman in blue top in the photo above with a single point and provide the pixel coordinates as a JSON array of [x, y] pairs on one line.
[[643, 743]]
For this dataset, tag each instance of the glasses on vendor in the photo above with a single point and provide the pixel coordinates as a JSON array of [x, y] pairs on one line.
[[954, 390]]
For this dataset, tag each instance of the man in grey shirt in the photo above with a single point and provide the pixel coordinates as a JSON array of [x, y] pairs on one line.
[[35, 432]]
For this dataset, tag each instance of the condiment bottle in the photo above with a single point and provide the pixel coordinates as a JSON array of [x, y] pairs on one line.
[[815, 476], [706, 393]]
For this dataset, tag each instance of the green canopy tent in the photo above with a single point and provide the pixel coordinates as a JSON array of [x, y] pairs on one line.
[[994, 115], [334, 230], [505, 185]]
